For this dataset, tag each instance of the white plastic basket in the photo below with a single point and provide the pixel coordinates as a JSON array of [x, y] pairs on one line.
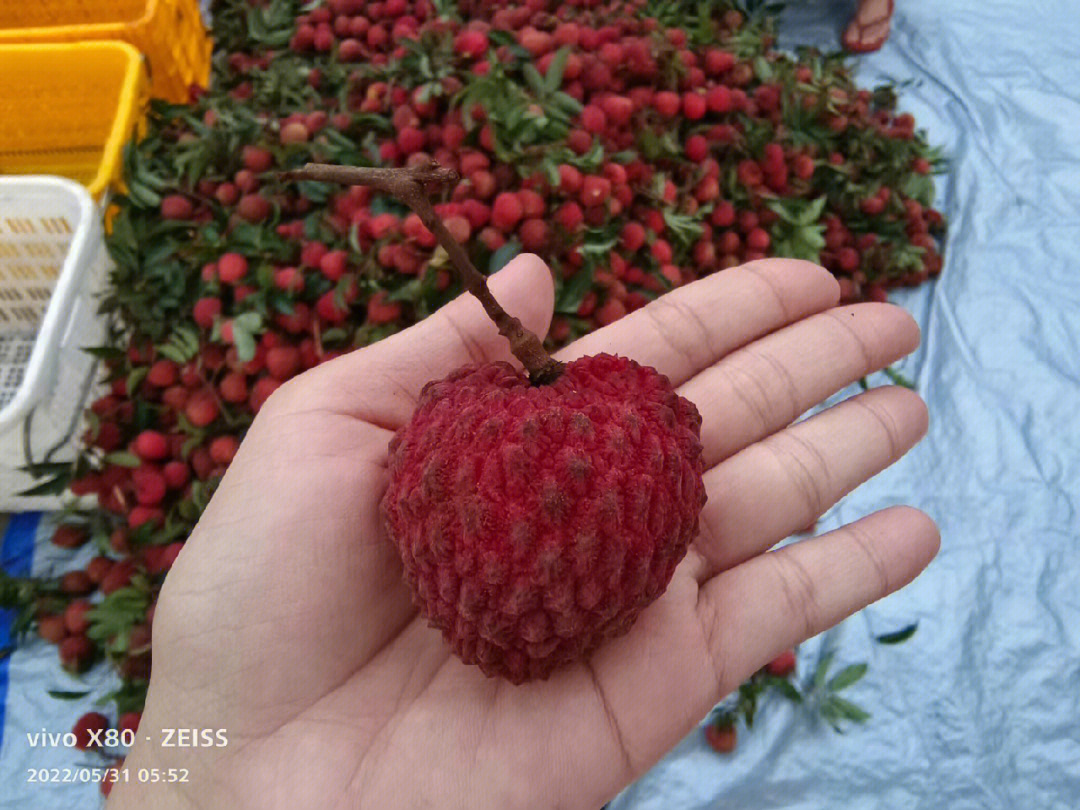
[[53, 264]]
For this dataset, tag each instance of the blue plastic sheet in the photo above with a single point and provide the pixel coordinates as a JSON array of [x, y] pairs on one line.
[[981, 708]]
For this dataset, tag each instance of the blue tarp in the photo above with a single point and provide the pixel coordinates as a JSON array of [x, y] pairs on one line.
[[981, 709]]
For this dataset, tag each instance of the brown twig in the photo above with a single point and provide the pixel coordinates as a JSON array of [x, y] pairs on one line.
[[411, 186]]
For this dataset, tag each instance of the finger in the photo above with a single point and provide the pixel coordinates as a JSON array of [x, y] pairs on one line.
[[380, 383], [762, 387], [689, 329], [776, 486], [755, 611]]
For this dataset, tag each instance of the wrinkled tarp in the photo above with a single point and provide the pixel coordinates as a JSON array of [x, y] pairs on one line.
[[33, 670], [981, 709]]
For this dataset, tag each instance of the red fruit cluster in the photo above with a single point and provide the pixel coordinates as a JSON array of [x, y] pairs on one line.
[[66, 619], [652, 161]]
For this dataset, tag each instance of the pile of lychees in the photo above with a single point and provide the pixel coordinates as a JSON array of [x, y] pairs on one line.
[[635, 145]]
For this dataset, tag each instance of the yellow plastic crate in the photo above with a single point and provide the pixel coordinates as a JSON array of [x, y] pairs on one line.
[[169, 32], [69, 109]]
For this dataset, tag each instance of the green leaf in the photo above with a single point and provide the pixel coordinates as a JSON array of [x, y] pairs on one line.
[[847, 676], [192, 441], [848, 710], [831, 715], [591, 160], [122, 458], [316, 192], [597, 250], [250, 321], [131, 697], [573, 292], [899, 636], [811, 236], [245, 344], [503, 255], [334, 335], [354, 238], [684, 228], [823, 670], [111, 619], [566, 104], [135, 378], [142, 196], [170, 352], [811, 213], [182, 345], [553, 80], [386, 205], [43, 468], [551, 173], [782, 209], [104, 352], [535, 80], [784, 687], [918, 186], [60, 694], [500, 37], [762, 69], [898, 379], [53, 486], [748, 701]]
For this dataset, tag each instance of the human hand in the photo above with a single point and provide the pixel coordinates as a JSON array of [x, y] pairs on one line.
[[285, 620]]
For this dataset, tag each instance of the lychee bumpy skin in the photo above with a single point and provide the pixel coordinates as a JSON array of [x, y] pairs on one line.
[[534, 522]]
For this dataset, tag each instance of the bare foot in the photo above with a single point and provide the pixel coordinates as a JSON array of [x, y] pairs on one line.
[[869, 28]]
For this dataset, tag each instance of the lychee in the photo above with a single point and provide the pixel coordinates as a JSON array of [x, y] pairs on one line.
[[721, 737], [534, 522], [150, 485], [232, 267], [150, 445], [129, 721], [506, 211], [162, 373], [88, 730], [76, 583], [75, 619], [176, 206], [52, 628], [76, 653], [783, 665], [98, 568], [205, 311], [70, 536]]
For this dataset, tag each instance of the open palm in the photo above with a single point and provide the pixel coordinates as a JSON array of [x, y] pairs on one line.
[[286, 622]]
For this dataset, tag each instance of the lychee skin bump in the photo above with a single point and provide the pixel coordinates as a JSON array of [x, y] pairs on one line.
[[534, 522]]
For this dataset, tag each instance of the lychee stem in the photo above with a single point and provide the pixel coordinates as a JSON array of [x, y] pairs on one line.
[[411, 186]]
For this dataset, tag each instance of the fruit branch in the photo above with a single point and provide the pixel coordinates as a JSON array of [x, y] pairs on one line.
[[411, 186]]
